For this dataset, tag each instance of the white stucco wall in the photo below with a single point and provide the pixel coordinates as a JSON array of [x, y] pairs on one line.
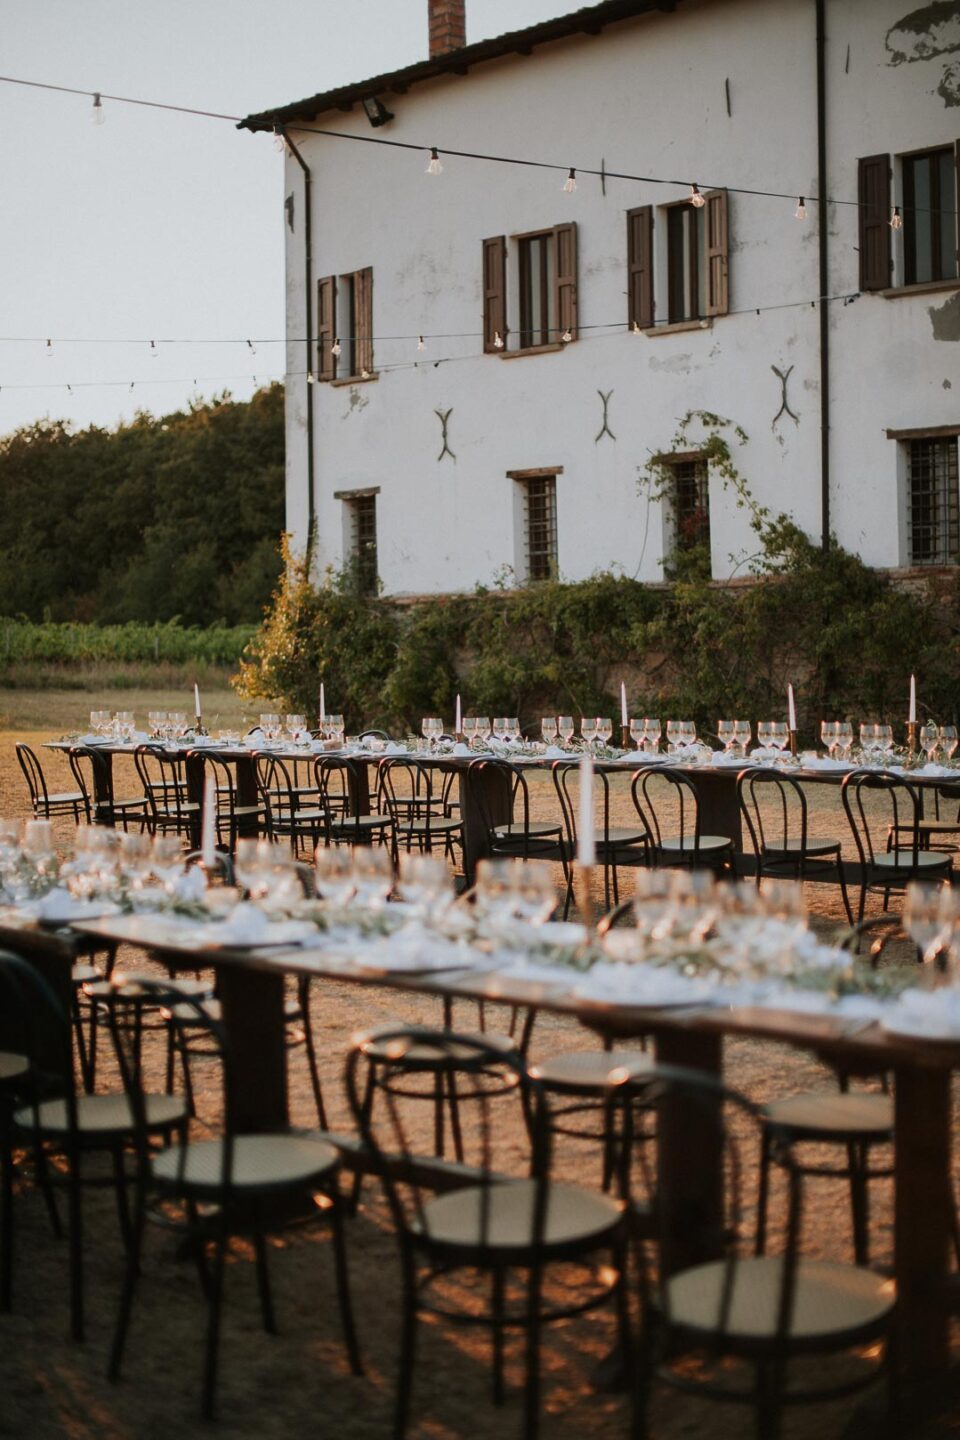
[[647, 97]]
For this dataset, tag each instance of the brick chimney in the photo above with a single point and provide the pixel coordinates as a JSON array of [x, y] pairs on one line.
[[448, 26]]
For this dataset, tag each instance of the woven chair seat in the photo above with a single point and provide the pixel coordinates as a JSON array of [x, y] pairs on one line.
[[829, 1300], [583, 1072], [429, 1055], [834, 1113], [707, 842], [102, 1114], [12, 1065], [500, 1216], [259, 1162], [905, 860]]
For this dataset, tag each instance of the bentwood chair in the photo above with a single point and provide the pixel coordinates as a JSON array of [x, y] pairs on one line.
[[879, 803], [163, 777], [339, 783], [233, 819], [774, 807], [722, 1322], [511, 1229], [615, 845], [52, 1120], [231, 1184], [93, 772], [288, 814], [518, 836], [407, 794], [668, 805], [47, 804]]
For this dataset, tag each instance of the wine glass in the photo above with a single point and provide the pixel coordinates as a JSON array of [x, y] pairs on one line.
[[166, 860], [495, 891], [844, 738], [535, 896], [636, 731], [948, 740], [726, 734], [468, 728], [424, 882], [483, 728], [252, 861], [296, 725], [125, 724], [334, 869], [500, 723], [652, 905], [688, 732], [929, 740], [779, 735], [652, 731], [512, 732], [830, 735], [674, 732], [868, 741], [156, 719], [588, 729], [885, 740], [743, 732], [604, 729], [335, 728], [565, 728], [922, 916], [372, 876], [548, 729], [764, 732]]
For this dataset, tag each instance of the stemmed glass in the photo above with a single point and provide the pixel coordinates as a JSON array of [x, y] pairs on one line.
[[166, 860], [335, 728], [779, 735], [125, 724], [636, 731], [372, 876], [296, 725], [765, 733], [674, 732], [844, 738], [495, 892], [431, 727], [512, 729], [252, 864], [652, 731], [468, 728], [548, 729], [884, 739], [924, 911], [534, 893], [588, 729], [948, 740], [930, 740], [652, 906], [335, 876], [424, 883], [743, 734], [688, 732], [156, 720], [869, 741], [726, 734], [604, 730], [565, 728], [830, 735]]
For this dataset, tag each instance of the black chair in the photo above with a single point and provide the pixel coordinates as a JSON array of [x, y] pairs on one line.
[[338, 784], [289, 814], [486, 1220], [163, 776], [712, 1300], [100, 803], [519, 836], [233, 819], [878, 802], [774, 807], [47, 805], [669, 807], [408, 795], [615, 844], [233, 1184]]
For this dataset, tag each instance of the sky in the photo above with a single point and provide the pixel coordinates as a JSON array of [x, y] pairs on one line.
[[156, 226]]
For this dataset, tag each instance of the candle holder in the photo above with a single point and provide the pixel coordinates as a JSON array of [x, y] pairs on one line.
[[458, 736], [626, 738], [793, 743], [585, 896], [912, 736], [198, 725]]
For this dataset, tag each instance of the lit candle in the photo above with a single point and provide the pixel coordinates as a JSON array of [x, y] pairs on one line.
[[196, 702], [458, 724], [912, 717], [587, 850], [323, 705], [208, 833], [623, 703], [791, 710]]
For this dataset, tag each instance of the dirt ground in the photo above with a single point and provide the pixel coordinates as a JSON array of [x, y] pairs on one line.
[[299, 1381]]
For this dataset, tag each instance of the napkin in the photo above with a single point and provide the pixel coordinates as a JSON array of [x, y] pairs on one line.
[[939, 772], [926, 1014], [247, 925], [642, 985], [461, 749], [191, 885], [415, 948], [553, 752], [394, 748], [59, 904]]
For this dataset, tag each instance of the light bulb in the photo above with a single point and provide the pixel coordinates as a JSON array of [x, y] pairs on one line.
[[49, 350], [364, 374], [336, 348], [420, 344], [131, 387], [896, 222], [801, 211], [570, 184], [309, 377], [279, 143], [252, 348], [97, 117], [636, 328], [154, 351], [497, 340], [566, 337], [696, 199], [434, 167]]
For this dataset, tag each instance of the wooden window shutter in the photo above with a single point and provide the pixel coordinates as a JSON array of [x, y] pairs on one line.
[[640, 310], [873, 193], [494, 292], [717, 252], [565, 242], [363, 320], [956, 199], [326, 320]]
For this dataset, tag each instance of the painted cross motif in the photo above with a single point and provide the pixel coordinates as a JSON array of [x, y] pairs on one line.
[[783, 376], [605, 427], [444, 417]]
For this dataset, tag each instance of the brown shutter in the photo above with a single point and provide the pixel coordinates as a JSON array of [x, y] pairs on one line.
[[326, 320], [640, 309], [876, 259], [363, 320], [565, 307], [494, 292], [717, 252], [956, 202]]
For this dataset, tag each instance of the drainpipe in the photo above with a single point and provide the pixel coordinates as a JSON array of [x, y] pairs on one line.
[[308, 285], [822, 211]]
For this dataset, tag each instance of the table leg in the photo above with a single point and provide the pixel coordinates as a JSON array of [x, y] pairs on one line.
[[496, 802], [719, 807], [922, 1215], [253, 1020], [690, 1171], [193, 768]]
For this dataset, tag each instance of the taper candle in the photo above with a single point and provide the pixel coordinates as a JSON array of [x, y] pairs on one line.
[[791, 710], [586, 849], [208, 831], [912, 717]]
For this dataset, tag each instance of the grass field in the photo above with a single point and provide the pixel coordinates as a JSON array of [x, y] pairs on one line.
[[57, 712]]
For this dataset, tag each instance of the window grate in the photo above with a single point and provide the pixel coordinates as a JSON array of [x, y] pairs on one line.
[[363, 538], [691, 503], [933, 515], [540, 516]]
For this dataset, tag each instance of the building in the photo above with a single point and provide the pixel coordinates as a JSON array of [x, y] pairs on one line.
[[829, 334]]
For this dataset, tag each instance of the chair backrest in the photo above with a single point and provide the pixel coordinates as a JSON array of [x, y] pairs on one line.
[[373, 735], [100, 782], [566, 781], [483, 1072], [35, 1025], [277, 790], [33, 772], [878, 805], [225, 778], [775, 808], [881, 931], [406, 790], [337, 779], [693, 1224], [665, 799], [491, 780], [163, 776]]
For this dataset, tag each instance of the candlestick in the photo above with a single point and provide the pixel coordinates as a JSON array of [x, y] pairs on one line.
[[912, 736], [208, 833], [585, 895], [793, 743], [323, 707], [791, 710], [196, 703], [623, 704], [912, 717], [626, 738], [458, 723], [586, 848]]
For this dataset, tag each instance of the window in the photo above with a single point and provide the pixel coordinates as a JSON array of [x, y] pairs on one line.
[[691, 501], [345, 323], [928, 237], [692, 269], [933, 514], [537, 522], [360, 537], [545, 302]]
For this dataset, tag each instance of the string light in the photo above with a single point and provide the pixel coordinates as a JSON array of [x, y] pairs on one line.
[[636, 328], [801, 211], [154, 351], [336, 348], [696, 199], [310, 377], [49, 350], [420, 344], [251, 347], [570, 184], [566, 337], [97, 115], [279, 143], [497, 340], [434, 167], [896, 222], [364, 374]]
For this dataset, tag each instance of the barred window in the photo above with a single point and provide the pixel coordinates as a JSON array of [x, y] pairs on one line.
[[540, 526], [691, 502], [933, 514], [361, 539]]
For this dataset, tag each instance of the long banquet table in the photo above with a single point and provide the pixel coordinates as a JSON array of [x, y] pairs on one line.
[[251, 987]]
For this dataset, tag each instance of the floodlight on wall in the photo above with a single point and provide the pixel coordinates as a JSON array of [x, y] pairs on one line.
[[434, 167], [376, 112]]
